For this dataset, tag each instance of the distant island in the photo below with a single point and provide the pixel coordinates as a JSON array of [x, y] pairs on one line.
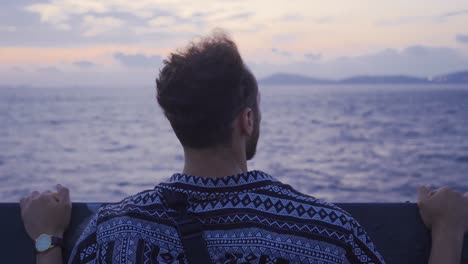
[[297, 79]]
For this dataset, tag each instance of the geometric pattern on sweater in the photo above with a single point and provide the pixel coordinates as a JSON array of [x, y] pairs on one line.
[[246, 218]]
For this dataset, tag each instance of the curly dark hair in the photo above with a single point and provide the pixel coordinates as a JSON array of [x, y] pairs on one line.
[[202, 89]]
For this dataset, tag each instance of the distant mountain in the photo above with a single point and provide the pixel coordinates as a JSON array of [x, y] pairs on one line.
[[297, 79], [292, 79], [457, 77], [384, 79]]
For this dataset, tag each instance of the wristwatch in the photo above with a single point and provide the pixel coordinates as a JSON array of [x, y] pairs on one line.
[[45, 242]]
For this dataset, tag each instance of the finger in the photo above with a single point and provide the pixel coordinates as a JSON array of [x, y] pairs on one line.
[[447, 191], [22, 201], [46, 197], [49, 193], [438, 191], [423, 193], [63, 193], [34, 195], [56, 196], [443, 189]]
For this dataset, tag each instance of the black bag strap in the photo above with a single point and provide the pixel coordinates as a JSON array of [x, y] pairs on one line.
[[190, 229]]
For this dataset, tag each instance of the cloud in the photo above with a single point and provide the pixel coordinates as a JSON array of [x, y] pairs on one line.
[[57, 13], [162, 21], [455, 13], [99, 28], [294, 17], [49, 70], [281, 52], [313, 56], [404, 20], [282, 38], [97, 25], [61, 14], [324, 20], [125, 21], [415, 60], [418, 60], [84, 64], [449, 15], [240, 16], [138, 60], [17, 69], [7, 29], [461, 38]]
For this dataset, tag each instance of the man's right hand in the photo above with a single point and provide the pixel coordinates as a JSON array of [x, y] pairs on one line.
[[445, 212], [443, 207]]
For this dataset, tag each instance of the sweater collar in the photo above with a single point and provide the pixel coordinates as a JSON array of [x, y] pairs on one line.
[[226, 181]]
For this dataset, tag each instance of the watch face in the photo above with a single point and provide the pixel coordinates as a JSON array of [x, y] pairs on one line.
[[43, 243]]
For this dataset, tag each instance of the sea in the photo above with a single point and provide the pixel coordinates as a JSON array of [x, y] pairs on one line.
[[367, 143]]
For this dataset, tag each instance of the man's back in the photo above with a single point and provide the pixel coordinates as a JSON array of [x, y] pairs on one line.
[[247, 218]]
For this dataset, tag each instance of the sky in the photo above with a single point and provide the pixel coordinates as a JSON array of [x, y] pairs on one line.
[[123, 42]]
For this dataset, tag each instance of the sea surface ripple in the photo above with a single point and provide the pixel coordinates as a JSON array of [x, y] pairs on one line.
[[338, 143]]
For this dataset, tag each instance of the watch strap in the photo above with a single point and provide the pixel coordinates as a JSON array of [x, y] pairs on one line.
[[57, 242]]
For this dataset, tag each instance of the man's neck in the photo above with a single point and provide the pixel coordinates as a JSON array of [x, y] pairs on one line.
[[214, 163]]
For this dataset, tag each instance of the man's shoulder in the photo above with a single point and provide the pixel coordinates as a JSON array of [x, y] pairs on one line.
[[139, 201], [310, 207]]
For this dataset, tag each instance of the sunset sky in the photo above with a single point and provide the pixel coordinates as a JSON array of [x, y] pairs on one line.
[[109, 42]]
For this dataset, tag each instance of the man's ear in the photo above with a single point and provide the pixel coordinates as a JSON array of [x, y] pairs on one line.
[[247, 121]]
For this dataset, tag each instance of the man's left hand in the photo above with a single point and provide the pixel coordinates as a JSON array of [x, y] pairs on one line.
[[46, 213]]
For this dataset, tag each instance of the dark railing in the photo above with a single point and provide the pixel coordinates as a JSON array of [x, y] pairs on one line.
[[395, 228]]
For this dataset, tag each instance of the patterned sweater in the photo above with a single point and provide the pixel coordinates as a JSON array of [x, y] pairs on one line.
[[246, 218]]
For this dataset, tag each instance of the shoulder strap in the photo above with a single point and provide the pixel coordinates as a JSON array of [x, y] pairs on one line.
[[190, 229]]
